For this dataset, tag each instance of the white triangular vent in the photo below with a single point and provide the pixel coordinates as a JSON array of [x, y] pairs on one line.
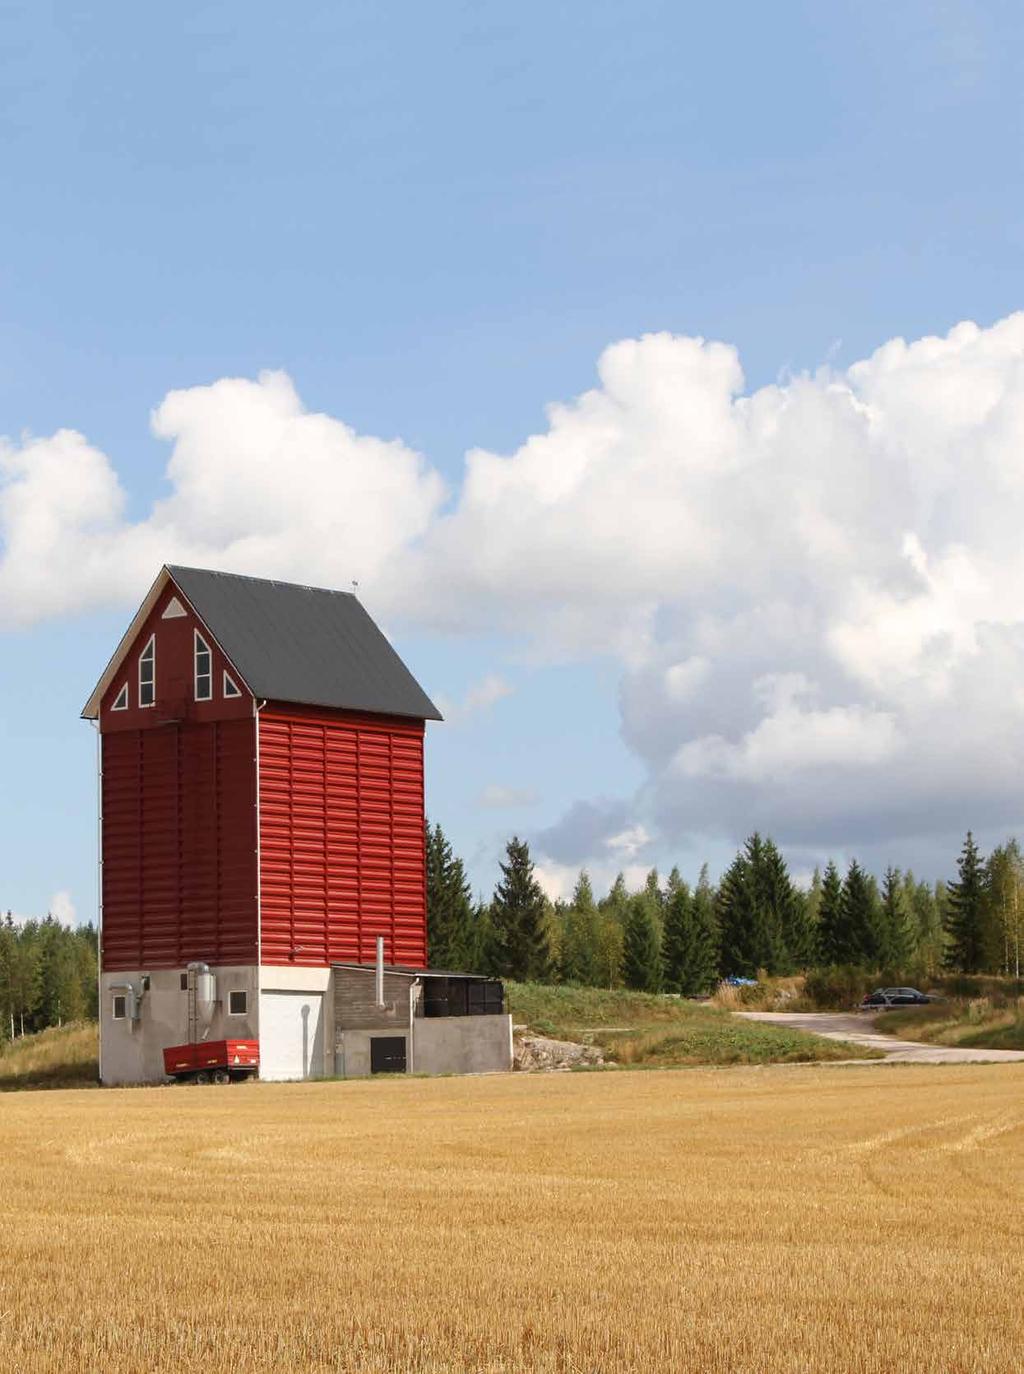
[[174, 609]]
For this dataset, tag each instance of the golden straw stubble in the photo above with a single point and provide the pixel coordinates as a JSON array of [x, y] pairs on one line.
[[779, 1219]]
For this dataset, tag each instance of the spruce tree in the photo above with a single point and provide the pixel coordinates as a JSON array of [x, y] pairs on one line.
[[616, 904], [1004, 876], [677, 942], [832, 943], [753, 911], [641, 958], [579, 961], [449, 905], [734, 914], [966, 912], [703, 973], [519, 916], [655, 899], [858, 918], [786, 913], [897, 944]]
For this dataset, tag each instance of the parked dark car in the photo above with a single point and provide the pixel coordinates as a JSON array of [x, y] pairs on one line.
[[894, 997]]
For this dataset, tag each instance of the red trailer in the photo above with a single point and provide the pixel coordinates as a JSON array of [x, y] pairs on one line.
[[213, 1061]]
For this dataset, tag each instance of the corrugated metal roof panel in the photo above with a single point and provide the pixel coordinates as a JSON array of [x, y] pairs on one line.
[[306, 645]]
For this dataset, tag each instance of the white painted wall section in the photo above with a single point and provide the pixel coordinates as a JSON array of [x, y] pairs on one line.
[[291, 1035]]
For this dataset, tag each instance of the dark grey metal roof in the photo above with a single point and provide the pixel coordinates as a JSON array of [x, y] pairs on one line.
[[304, 644]]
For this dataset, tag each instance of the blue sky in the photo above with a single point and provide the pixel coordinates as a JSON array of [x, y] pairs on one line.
[[434, 220]]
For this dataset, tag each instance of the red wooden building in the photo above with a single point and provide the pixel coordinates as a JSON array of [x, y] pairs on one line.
[[262, 818]]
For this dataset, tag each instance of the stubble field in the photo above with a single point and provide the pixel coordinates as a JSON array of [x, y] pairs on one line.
[[778, 1219]]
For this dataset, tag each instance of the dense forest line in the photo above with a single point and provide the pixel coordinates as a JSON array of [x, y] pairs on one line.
[[47, 975], [668, 936], [673, 937]]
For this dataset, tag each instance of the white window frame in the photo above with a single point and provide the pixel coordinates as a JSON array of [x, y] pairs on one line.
[[119, 704], [150, 652], [239, 992], [123, 999], [199, 645], [235, 691]]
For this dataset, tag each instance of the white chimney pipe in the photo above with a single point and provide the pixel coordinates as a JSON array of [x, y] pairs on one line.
[[380, 970]]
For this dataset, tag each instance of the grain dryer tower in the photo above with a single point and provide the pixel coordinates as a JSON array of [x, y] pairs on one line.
[[261, 832]]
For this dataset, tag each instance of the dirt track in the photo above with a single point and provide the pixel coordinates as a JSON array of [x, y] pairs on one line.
[[860, 1029]]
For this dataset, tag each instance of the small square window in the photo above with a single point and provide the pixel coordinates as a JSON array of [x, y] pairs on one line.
[[238, 1003], [120, 1007]]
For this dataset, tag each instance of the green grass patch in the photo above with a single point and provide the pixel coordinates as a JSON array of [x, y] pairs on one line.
[[61, 1057], [974, 1023], [643, 1029]]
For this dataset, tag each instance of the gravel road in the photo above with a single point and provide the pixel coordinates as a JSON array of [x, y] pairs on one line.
[[860, 1029]]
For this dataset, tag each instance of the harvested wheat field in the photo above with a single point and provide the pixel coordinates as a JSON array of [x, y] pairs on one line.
[[826, 1219]]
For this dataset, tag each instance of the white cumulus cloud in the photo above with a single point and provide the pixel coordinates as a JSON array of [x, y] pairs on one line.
[[498, 797], [478, 698], [257, 483], [63, 907], [813, 590]]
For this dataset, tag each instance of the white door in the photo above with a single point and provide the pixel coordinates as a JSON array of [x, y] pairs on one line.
[[291, 1035]]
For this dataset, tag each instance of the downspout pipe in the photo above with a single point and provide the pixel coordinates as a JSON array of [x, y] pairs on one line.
[[379, 989], [414, 992]]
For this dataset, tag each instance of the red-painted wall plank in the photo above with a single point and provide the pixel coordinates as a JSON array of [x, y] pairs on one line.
[[341, 837], [179, 845]]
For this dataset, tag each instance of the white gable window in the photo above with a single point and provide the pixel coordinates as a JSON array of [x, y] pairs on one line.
[[174, 610], [230, 686], [204, 669], [121, 700], [147, 674]]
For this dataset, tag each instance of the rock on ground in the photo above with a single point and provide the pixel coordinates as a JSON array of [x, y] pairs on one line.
[[538, 1052]]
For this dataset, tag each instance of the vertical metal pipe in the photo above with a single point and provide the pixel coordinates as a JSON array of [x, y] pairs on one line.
[[99, 898], [414, 991], [380, 970]]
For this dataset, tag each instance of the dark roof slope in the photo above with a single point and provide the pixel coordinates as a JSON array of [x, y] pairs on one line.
[[304, 644]]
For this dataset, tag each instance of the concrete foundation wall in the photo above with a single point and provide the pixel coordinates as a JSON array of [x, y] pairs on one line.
[[463, 1044], [440, 1044], [132, 1052], [352, 1051]]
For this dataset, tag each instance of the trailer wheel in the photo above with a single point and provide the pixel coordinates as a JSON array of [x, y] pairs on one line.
[[201, 1077], [221, 1076]]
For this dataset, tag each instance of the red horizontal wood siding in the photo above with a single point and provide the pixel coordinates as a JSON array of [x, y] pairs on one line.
[[341, 837], [179, 874]]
